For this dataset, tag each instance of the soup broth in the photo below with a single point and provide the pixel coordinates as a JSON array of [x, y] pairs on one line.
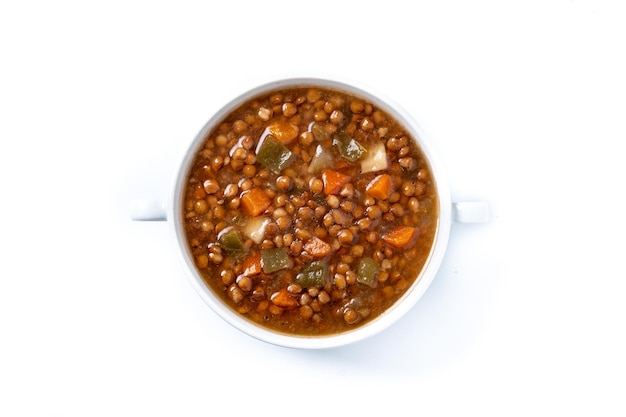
[[310, 211]]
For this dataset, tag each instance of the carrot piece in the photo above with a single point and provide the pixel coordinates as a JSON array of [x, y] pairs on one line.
[[380, 187], [402, 237], [316, 247], [254, 202], [252, 264], [284, 131], [283, 299], [333, 181]]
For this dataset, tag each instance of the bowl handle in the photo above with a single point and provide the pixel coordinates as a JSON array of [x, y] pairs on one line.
[[470, 212]]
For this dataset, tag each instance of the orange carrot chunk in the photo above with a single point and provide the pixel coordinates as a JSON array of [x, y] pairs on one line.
[[283, 299], [380, 187], [333, 181], [316, 247], [402, 237], [254, 202], [252, 264], [284, 131]]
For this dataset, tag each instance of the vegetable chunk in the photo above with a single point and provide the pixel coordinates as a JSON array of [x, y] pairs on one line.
[[333, 181], [316, 247], [402, 237], [254, 202], [322, 159], [273, 154], [380, 187], [368, 271], [230, 240], [283, 131], [252, 264], [255, 228], [376, 159], [273, 260], [349, 148], [284, 300], [314, 274]]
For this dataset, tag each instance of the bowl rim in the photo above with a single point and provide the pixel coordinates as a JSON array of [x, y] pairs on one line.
[[394, 312]]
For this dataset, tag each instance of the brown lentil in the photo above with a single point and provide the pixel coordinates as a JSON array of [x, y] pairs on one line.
[[244, 282], [249, 170], [413, 204], [289, 109], [283, 183], [345, 237], [350, 315]]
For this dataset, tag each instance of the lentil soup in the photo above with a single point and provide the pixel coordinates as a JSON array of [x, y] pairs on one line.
[[309, 211]]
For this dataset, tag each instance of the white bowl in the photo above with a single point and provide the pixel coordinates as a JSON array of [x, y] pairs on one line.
[[172, 212]]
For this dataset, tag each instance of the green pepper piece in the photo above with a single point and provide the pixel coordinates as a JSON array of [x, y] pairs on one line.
[[274, 155], [230, 240], [367, 271], [273, 260], [314, 274], [319, 133], [348, 147]]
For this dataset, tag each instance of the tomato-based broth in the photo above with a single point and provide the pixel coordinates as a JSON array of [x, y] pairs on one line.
[[309, 211]]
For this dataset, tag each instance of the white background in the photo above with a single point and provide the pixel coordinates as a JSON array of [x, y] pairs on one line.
[[525, 103]]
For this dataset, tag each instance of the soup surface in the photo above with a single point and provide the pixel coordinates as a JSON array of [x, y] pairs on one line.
[[309, 211]]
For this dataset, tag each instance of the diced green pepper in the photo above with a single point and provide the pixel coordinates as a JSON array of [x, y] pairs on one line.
[[274, 155], [314, 274], [322, 159], [230, 240], [273, 260], [367, 272], [319, 133], [348, 147]]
